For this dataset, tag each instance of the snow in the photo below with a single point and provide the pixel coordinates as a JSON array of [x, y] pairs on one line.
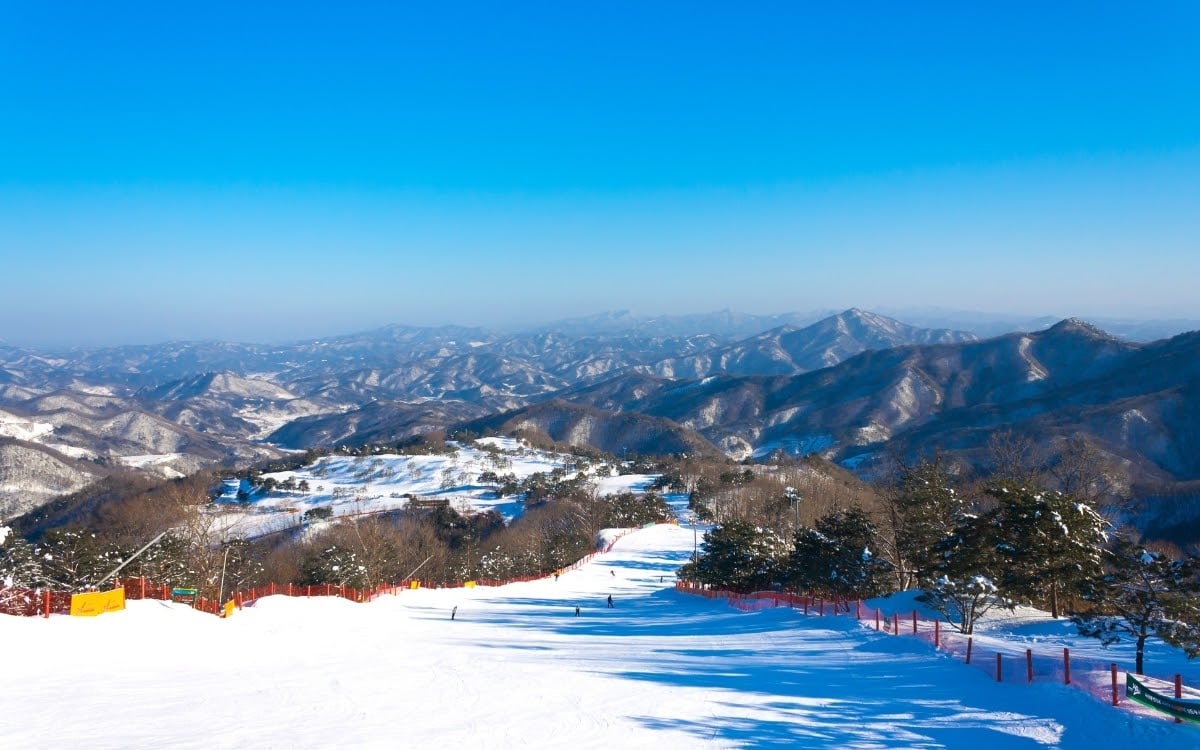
[[24, 429], [517, 668], [364, 485]]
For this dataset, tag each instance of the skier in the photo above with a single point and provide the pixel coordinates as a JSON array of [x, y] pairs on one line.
[[453, 612], [612, 572], [577, 611], [610, 600]]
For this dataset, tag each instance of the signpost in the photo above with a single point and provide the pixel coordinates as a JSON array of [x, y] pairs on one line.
[[184, 595]]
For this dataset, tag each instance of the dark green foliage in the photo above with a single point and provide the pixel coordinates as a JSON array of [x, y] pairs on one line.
[[627, 509], [1047, 544], [961, 586], [1141, 594], [320, 513], [836, 558], [334, 565], [167, 561], [72, 559], [927, 506], [737, 556], [19, 567]]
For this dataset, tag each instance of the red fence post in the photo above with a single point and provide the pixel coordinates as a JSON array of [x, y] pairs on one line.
[[969, 643], [937, 633], [1029, 663], [999, 672], [1067, 666], [821, 604], [877, 619], [858, 610], [914, 621], [895, 623], [143, 587], [1116, 695], [1178, 691], [47, 605]]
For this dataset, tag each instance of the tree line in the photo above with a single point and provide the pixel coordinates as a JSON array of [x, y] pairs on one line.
[[1008, 539]]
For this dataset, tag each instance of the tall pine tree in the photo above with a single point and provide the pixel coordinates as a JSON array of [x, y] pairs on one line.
[[1144, 593], [1047, 544]]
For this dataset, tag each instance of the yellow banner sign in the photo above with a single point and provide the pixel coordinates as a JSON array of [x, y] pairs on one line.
[[97, 603]]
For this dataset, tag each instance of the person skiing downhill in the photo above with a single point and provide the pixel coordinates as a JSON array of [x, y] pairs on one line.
[[610, 604]]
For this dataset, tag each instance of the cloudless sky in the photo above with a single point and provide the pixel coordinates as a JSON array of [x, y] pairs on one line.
[[259, 171]]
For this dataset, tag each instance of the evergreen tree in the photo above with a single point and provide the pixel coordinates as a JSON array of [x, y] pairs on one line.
[[738, 556], [1142, 594], [1047, 544], [20, 571], [242, 566], [73, 558], [836, 557], [923, 510], [164, 562], [962, 587], [334, 565]]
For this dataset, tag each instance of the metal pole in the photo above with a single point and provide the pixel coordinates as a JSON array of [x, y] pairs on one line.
[[414, 570], [221, 588], [132, 557]]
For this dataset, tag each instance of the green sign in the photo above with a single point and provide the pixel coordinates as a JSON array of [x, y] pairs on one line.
[[183, 592], [1181, 709]]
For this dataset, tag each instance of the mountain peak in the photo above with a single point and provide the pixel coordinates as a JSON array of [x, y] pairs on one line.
[[1079, 327]]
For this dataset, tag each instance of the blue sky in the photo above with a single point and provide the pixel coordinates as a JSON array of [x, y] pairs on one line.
[[174, 170]]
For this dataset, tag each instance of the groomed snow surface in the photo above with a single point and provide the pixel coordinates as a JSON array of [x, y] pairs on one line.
[[516, 668]]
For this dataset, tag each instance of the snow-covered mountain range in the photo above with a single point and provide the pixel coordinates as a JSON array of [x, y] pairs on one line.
[[851, 386]]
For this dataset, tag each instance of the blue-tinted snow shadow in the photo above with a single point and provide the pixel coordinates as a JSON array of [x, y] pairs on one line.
[[810, 681]]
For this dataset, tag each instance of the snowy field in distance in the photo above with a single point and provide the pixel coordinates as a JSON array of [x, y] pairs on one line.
[[351, 485], [517, 668]]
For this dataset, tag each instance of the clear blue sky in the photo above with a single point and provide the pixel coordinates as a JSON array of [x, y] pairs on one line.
[[261, 172]]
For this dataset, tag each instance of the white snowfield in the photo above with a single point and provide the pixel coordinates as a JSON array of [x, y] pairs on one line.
[[364, 485], [516, 668]]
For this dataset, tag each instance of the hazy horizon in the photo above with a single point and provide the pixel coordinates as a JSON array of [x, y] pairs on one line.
[[964, 320], [267, 174]]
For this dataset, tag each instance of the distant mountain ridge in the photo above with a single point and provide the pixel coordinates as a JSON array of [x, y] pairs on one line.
[[848, 386]]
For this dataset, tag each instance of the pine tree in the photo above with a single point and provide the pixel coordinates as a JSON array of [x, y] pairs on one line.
[[1142, 594], [74, 558], [962, 586], [922, 513], [336, 565], [836, 557], [1047, 544], [738, 556], [20, 571], [165, 562]]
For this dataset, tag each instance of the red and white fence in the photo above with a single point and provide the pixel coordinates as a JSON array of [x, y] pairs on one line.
[[1102, 679]]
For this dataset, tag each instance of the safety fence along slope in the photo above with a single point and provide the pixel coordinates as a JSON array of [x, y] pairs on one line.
[[1105, 680], [43, 602]]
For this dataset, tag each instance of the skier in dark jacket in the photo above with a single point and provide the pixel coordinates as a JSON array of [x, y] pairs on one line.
[[610, 600]]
